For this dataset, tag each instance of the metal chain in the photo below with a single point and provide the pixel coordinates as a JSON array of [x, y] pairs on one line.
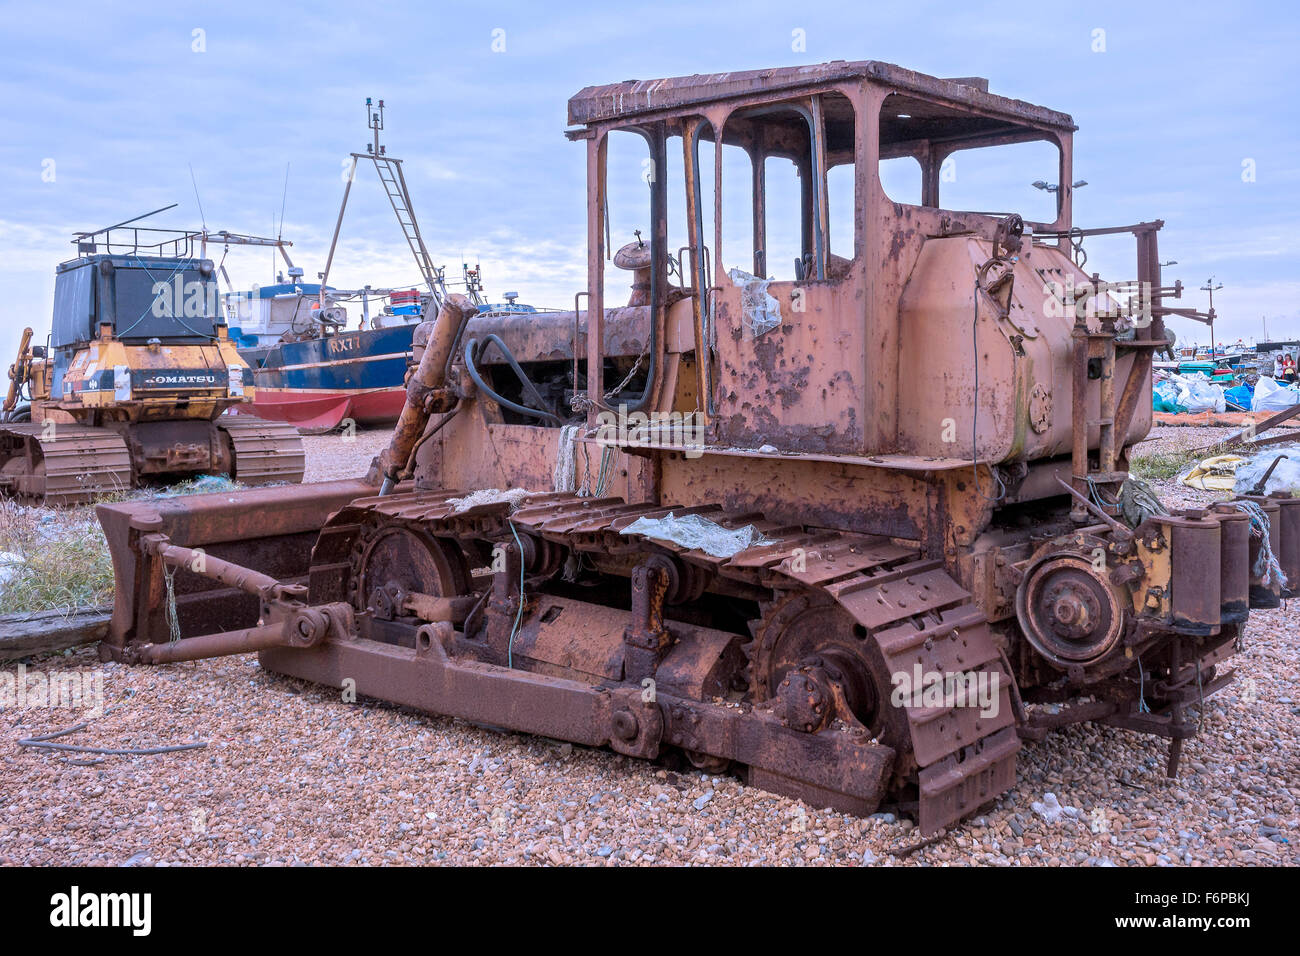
[[636, 367]]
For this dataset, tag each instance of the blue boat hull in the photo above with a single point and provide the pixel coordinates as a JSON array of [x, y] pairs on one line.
[[319, 383]]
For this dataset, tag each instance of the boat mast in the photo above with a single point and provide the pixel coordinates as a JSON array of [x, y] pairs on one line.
[[389, 169]]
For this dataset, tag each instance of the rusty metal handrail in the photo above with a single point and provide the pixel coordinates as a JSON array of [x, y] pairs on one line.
[[1135, 228], [577, 332]]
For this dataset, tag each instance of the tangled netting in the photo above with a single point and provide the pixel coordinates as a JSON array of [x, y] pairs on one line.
[[565, 477], [1266, 564]]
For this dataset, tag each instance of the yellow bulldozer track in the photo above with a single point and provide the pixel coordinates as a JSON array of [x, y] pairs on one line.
[[63, 464], [59, 464], [265, 452]]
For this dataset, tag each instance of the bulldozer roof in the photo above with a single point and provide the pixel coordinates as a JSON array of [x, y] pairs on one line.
[[645, 97], [131, 261]]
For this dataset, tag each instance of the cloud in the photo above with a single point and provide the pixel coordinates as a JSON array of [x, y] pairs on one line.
[[118, 97]]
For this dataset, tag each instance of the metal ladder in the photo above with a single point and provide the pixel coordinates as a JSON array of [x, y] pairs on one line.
[[390, 174]]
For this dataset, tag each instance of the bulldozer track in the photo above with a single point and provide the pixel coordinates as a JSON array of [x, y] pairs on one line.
[[62, 464], [66, 464], [952, 757], [265, 452]]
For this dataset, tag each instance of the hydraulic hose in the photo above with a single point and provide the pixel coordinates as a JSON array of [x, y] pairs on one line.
[[470, 366]]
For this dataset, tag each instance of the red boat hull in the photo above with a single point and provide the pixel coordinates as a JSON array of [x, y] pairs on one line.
[[319, 410]]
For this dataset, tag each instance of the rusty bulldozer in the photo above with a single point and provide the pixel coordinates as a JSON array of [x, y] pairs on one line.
[[790, 526]]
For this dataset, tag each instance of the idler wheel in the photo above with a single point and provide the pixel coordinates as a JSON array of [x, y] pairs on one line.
[[811, 660], [1069, 611], [398, 559]]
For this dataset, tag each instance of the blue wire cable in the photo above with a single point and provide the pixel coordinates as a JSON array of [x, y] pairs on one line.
[[510, 645]]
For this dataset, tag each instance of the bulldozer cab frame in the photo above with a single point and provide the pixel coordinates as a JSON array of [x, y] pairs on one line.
[[763, 332], [849, 117]]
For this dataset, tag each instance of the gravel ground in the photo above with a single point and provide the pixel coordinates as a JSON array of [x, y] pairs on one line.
[[291, 774], [341, 455]]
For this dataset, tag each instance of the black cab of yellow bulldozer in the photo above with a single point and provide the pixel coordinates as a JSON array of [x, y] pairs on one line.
[[137, 300]]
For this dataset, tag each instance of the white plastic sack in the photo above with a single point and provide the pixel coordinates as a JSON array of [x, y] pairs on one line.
[[694, 531], [1272, 397], [1166, 391], [762, 311], [1285, 477], [1203, 396]]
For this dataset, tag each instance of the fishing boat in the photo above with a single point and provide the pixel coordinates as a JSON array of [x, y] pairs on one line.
[[310, 369], [315, 372]]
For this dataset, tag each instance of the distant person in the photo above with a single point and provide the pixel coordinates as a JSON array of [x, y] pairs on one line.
[[1288, 369]]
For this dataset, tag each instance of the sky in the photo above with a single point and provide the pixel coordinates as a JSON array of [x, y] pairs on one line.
[[1187, 113]]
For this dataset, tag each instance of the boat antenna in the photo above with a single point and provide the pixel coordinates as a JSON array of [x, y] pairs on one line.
[[283, 199], [197, 199]]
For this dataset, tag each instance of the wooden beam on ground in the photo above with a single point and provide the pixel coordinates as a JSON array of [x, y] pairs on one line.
[[1248, 434], [41, 632]]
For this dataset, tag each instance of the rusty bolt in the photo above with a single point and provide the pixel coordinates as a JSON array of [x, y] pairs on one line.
[[625, 725]]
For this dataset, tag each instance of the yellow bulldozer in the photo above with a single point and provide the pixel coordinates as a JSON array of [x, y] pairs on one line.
[[131, 385]]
